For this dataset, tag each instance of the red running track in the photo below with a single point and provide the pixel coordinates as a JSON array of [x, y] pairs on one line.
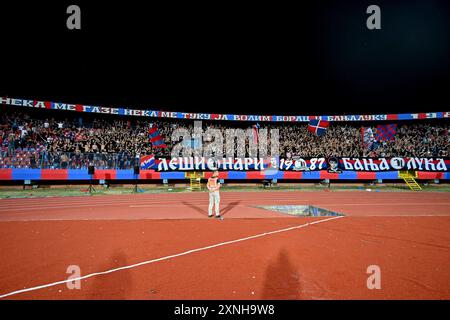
[[406, 234]]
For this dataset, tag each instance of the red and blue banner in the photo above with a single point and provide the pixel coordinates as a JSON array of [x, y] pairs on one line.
[[156, 139], [332, 165], [146, 112], [118, 175], [147, 162], [318, 127], [386, 132]]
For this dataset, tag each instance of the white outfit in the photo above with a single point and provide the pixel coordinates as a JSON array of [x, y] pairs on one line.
[[214, 199], [214, 196]]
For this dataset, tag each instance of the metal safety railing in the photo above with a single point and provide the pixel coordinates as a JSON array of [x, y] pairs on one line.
[[23, 158]]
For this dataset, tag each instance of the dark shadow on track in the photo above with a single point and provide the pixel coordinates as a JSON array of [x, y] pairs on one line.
[[229, 207], [198, 209], [102, 287], [282, 279]]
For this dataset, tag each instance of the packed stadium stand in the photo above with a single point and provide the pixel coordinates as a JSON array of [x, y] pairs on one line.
[[71, 141]]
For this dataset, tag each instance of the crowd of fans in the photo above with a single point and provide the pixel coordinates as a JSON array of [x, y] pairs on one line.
[[31, 142]]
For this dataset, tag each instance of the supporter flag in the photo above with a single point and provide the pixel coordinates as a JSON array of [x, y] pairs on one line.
[[255, 129], [147, 162], [156, 139], [367, 136], [386, 132], [318, 127]]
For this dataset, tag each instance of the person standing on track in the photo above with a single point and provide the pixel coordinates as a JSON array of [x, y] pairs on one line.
[[214, 196]]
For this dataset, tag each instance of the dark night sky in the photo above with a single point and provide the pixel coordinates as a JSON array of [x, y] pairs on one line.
[[226, 58]]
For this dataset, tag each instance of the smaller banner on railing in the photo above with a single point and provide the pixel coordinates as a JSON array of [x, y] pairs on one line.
[[147, 162]]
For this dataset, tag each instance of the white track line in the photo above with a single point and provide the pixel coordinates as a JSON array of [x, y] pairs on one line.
[[203, 199], [104, 200], [312, 204], [114, 203], [135, 197], [205, 202], [95, 205], [164, 258], [87, 200]]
